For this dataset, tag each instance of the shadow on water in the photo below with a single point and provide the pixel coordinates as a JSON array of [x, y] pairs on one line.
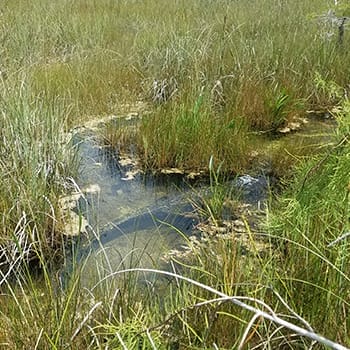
[[131, 219], [128, 211], [134, 219]]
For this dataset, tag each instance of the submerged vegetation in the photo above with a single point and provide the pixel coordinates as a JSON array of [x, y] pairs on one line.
[[219, 83]]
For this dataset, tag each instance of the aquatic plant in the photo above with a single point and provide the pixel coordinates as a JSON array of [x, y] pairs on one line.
[[213, 85], [36, 161], [216, 297], [310, 228]]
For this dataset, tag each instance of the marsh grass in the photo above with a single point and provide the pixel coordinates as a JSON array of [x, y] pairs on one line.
[[56, 309], [218, 79], [251, 67], [215, 74], [131, 307], [210, 202], [315, 213], [189, 135], [193, 306], [281, 156], [35, 162]]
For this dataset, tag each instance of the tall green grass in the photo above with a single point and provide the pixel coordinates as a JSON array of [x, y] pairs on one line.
[[215, 75], [214, 82], [311, 226], [217, 297], [255, 65], [36, 160]]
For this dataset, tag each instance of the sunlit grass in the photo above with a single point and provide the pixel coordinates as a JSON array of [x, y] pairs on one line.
[[312, 215], [36, 160], [219, 78]]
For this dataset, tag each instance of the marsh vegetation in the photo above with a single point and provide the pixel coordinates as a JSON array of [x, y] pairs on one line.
[[216, 84]]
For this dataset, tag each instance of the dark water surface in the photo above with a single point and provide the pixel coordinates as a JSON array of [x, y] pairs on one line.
[[138, 218], [134, 219]]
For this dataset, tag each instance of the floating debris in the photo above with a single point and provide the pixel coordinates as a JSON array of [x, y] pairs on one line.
[[75, 223]]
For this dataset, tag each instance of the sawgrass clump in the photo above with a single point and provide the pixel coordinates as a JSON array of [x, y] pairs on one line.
[[259, 65], [213, 84], [312, 226], [36, 161]]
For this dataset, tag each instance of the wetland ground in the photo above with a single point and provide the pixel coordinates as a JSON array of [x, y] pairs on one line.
[[217, 85]]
